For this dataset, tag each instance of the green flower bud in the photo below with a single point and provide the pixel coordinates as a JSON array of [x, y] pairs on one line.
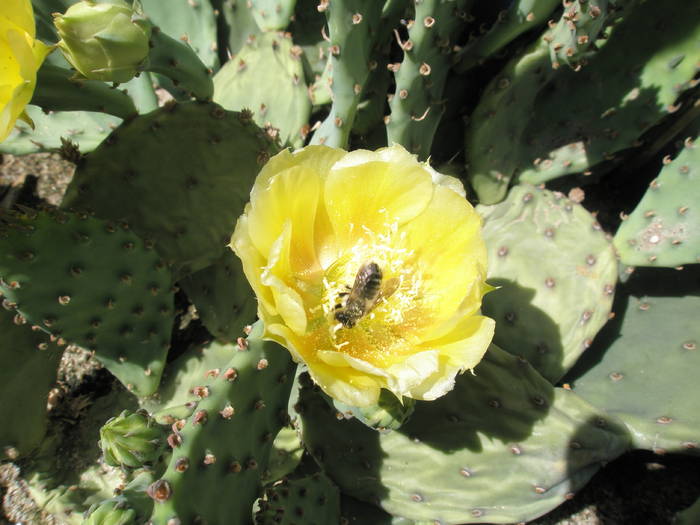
[[110, 512], [132, 440], [104, 41]]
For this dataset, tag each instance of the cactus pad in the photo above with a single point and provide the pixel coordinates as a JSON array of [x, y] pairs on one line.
[[267, 77], [313, 500], [185, 170], [28, 365], [84, 128], [92, 283], [226, 442], [556, 274], [664, 229], [643, 367], [504, 446], [224, 300]]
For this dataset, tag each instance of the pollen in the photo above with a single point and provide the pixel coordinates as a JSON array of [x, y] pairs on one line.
[[385, 328]]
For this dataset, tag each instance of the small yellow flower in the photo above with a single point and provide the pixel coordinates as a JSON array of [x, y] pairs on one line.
[[20, 58], [410, 322]]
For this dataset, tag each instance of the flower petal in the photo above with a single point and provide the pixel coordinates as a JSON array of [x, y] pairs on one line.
[[20, 13], [373, 190], [466, 343], [452, 257], [276, 276]]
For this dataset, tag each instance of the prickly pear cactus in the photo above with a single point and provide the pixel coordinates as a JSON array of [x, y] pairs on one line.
[[313, 500], [24, 353], [527, 125], [224, 300], [592, 357], [228, 438], [109, 291], [664, 229], [267, 78], [641, 364], [527, 444], [191, 166], [555, 271]]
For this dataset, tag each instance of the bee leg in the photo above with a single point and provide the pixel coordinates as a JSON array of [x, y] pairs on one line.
[[338, 306]]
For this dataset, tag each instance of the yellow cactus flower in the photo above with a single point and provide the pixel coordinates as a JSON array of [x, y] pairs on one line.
[[20, 58], [369, 267]]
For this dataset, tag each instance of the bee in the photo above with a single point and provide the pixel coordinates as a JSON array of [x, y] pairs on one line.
[[362, 296]]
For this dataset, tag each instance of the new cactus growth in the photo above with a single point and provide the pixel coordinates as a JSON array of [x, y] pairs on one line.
[[131, 440]]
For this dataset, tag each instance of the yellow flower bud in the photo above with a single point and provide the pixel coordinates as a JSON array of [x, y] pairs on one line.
[[369, 267], [20, 57]]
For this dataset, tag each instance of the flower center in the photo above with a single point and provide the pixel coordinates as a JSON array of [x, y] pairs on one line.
[[372, 300]]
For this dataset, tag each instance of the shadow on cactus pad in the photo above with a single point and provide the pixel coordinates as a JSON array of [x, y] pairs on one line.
[[497, 449]]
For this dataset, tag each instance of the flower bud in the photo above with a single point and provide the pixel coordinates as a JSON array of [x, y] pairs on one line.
[[131, 440], [104, 41], [111, 512]]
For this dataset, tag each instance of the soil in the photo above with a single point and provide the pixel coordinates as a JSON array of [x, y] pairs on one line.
[[638, 488]]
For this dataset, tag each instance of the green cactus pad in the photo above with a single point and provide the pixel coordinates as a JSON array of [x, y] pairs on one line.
[[312, 500], [521, 16], [555, 271], [643, 366], [185, 173], [273, 15], [504, 446], [57, 90], [622, 99], [92, 283], [418, 103], [537, 123], [226, 443], [664, 229], [193, 22], [238, 19], [353, 31], [356, 512], [175, 398], [179, 63], [225, 301], [286, 454], [580, 25], [267, 77], [86, 129], [28, 365]]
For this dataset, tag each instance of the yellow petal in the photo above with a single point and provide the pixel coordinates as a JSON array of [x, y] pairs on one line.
[[290, 187], [466, 343], [20, 58], [368, 190], [20, 13], [277, 276], [346, 384], [409, 374], [451, 254], [253, 263]]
